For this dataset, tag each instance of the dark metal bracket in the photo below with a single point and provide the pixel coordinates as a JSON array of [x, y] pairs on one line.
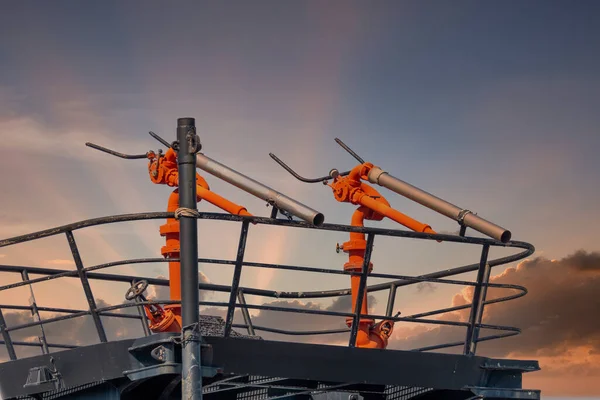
[[44, 377], [160, 354]]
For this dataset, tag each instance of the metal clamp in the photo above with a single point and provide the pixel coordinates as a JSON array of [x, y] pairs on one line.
[[461, 216], [194, 145]]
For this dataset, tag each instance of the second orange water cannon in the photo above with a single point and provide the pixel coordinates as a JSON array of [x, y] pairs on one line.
[[351, 187], [372, 206]]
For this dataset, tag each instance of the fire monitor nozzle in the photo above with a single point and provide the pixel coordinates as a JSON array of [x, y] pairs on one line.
[[464, 217], [259, 190]]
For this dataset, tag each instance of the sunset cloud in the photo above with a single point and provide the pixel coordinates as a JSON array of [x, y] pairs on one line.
[[558, 319], [79, 331]]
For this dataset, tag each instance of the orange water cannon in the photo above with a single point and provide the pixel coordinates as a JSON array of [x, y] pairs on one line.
[[348, 187], [162, 169], [351, 187]]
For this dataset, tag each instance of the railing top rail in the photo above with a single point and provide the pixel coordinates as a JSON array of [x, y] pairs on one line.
[[258, 220]]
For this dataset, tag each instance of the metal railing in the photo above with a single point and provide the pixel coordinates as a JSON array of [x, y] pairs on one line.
[[238, 293]]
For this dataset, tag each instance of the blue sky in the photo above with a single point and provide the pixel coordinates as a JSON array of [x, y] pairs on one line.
[[492, 106]]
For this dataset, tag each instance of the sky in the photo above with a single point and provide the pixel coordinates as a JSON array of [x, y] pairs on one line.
[[490, 106]]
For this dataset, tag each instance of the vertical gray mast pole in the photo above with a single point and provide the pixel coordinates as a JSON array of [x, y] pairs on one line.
[[189, 145]]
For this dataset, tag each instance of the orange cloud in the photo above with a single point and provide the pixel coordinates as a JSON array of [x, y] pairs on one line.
[[557, 319]]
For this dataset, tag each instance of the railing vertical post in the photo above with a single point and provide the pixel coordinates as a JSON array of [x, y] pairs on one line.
[[274, 211], [237, 273], [86, 286], [477, 303], [391, 300], [35, 312], [10, 349], [362, 286], [479, 316], [188, 146], [245, 313]]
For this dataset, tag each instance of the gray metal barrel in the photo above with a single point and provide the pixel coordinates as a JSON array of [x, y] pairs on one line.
[[259, 190], [466, 217]]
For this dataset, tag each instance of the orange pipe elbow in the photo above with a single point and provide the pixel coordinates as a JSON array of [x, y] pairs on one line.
[[168, 321]]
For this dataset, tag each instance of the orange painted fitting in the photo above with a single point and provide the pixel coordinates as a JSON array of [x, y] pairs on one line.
[[360, 172], [161, 169], [355, 245], [163, 320], [378, 337], [367, 339]]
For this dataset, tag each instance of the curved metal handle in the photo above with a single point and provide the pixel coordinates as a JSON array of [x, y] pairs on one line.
[[116, 153], [301, 178], [332, 174]]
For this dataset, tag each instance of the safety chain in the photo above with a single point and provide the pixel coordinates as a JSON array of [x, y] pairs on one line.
[[193, 331]]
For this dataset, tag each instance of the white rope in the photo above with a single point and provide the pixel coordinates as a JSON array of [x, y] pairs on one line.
[[186, 212]]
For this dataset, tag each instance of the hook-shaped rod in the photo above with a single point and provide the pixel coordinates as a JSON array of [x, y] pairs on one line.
[[116, 153], [161, 140], [301, 178], [349, 150]]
